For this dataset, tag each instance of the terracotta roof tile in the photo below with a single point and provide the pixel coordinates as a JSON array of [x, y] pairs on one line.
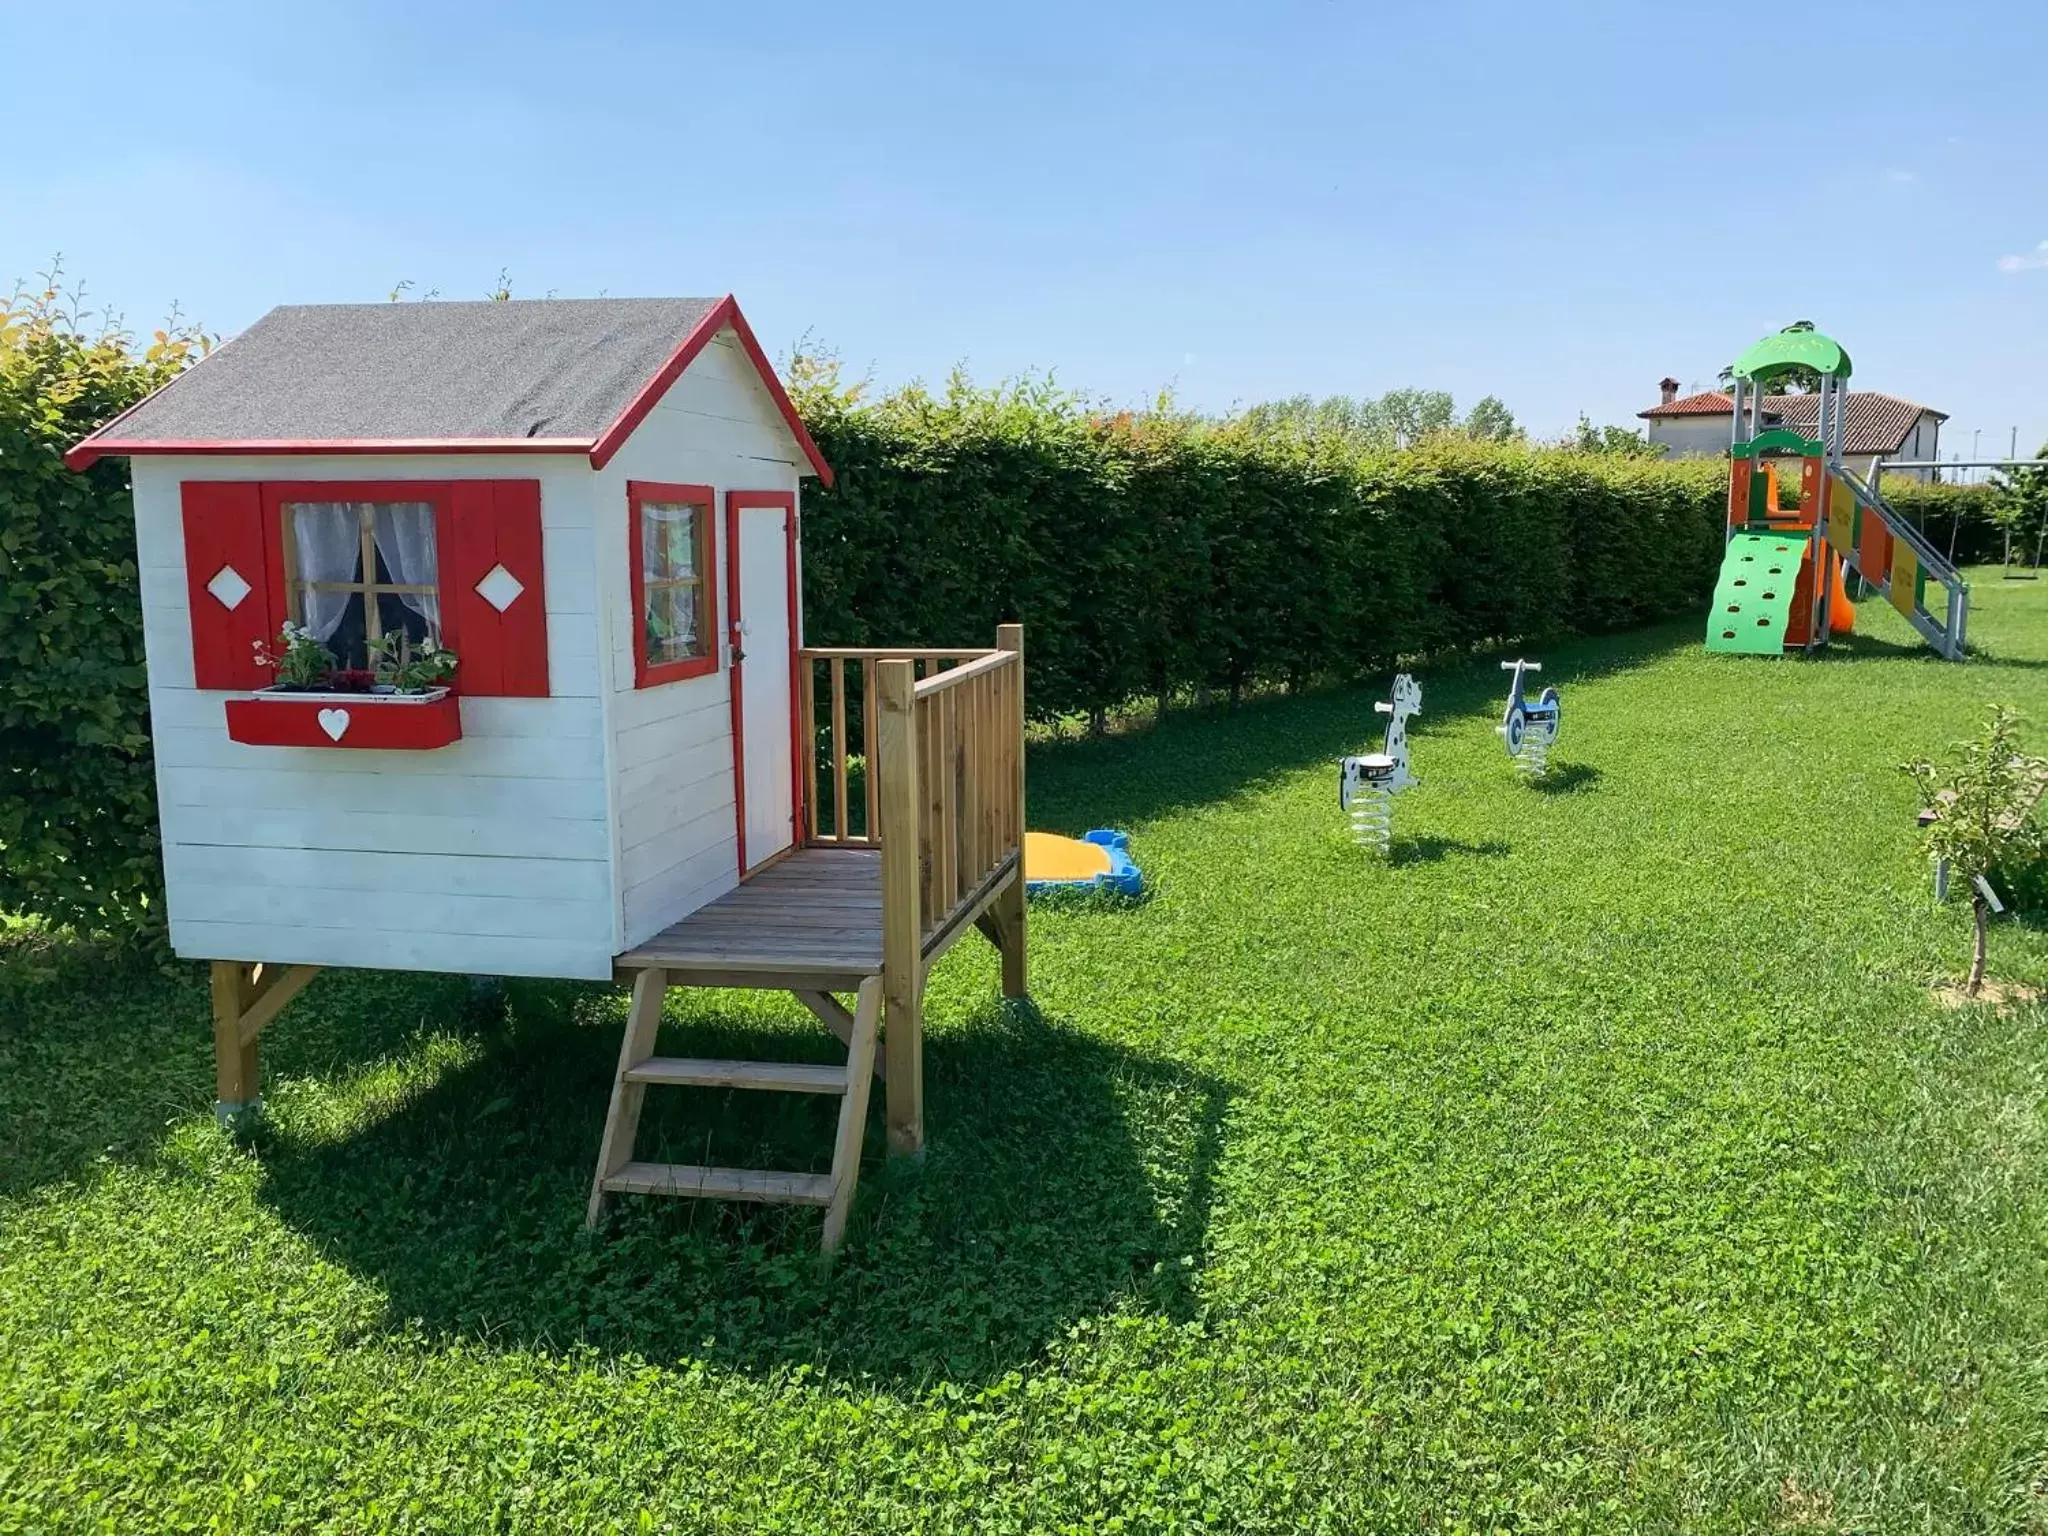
[[1875, 423], [1707, 403]]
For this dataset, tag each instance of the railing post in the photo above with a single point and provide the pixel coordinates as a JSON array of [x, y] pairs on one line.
[[1009, 909], [902, 922]]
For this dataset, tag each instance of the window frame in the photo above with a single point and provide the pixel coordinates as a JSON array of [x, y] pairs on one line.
[[280, 494], [653, 674]]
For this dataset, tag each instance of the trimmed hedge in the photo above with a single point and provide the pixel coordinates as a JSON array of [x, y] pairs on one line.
[[78, 836], [1154, 555], [1962, 518], [1148, 555]]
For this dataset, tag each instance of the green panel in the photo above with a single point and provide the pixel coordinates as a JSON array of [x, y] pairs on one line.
[[1795, 346], [1776, 439], [1753, 599]]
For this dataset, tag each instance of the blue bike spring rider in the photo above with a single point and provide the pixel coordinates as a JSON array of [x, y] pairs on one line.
[[1529, 729]]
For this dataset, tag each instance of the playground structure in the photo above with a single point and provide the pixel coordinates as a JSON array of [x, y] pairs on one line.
[[596, 505], [1782, 585], [1367, 784], [1529, 729]]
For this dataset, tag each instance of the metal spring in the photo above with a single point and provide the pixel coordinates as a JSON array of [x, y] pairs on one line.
[[1532, 760], [1372, 818]]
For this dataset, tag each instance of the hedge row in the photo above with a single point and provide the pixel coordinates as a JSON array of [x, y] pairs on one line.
[[1148, 556], [1154, 555], [78, 837]]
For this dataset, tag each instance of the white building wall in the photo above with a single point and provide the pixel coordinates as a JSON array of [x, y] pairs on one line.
[[671, 751], [491, 855], [1923, 443], [1689, 437]]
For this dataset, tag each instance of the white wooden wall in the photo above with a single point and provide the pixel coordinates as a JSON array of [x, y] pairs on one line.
[[671, 746], [492, 855]]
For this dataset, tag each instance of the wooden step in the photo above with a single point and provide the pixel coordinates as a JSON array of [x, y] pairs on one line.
[[721, 1183], [788, 1076]]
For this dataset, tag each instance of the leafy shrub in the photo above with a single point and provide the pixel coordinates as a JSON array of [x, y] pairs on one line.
[[78, 838], [1963, 518], [1155, 553]]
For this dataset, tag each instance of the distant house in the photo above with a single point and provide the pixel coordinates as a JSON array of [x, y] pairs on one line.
[[1876, 426]]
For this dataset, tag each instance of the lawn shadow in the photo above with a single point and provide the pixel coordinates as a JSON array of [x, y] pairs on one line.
[[1200, 757], [1434, 850], [85, 1034], [1064, 1178], [105, 1050], [1566, 779]]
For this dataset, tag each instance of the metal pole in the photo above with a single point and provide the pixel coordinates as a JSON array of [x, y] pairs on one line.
[[1816, 545]]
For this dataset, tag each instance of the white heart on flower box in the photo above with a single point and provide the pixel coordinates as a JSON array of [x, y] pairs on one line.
[[334, 722]]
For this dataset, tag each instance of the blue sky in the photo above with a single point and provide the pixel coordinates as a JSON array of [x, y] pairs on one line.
[[1557, 203]]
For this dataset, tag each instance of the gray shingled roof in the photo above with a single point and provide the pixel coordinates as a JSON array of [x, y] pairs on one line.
[[557, 368]]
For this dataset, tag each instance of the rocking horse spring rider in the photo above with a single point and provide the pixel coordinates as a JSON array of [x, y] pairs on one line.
[[1367, 784]]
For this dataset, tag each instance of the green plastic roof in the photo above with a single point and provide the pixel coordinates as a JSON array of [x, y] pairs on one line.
[[1790, 348]]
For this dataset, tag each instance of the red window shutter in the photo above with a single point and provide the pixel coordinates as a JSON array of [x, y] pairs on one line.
[[492, 584], [234, 579]]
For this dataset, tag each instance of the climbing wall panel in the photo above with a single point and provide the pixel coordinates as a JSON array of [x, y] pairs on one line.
[[1753, 599]]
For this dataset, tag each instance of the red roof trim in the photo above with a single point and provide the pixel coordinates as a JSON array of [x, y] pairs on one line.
[[1708, 402], [725, 312], [84, 454]]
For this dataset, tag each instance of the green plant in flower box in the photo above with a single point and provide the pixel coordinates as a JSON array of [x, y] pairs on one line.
[[404, 667], [300, 661]]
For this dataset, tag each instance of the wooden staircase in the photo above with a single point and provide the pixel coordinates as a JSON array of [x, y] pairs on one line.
[[640, 1068]]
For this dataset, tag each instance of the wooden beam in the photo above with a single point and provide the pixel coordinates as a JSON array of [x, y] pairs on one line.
[[622, 1117], [767, 977], [277, 988], [238, 1078], [902, 965], [971, 910], [1011, 912], [853, 1111], [834, 1016]]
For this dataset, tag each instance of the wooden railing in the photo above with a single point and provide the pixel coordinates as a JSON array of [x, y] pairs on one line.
[[840, 793], [949, 791]]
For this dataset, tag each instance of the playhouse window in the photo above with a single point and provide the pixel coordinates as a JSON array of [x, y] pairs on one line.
[[356, 571], [673, 591]]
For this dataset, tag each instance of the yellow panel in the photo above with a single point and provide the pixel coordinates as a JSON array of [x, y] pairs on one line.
[[1841, 517], [1048, 856], [1905, 577]]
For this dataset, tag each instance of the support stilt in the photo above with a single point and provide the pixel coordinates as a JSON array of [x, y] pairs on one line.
[[246, 998]]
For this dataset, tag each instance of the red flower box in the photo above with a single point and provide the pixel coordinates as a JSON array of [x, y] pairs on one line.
[[392, 722]]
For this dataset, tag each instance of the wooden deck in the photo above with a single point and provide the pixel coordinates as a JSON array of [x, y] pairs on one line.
[[812, 921]]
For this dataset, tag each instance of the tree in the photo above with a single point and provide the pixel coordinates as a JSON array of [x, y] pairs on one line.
[[1611, 442], [1982, 816], [1490, 421], [2020, 503], [1400, 418]]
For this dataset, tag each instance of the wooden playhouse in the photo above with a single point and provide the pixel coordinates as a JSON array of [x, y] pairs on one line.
[[596, 506]]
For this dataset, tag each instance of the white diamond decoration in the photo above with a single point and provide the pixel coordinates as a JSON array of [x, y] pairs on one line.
[[228, 587], [500, 588]]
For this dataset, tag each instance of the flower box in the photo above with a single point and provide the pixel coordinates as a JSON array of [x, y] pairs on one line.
[[278, 717]]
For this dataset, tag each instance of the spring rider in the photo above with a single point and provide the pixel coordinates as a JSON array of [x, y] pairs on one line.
[[1367, 784], [1530, 730]]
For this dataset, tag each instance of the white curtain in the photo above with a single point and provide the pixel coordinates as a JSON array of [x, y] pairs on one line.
[[404, 531], [330, 549], [670, 540]]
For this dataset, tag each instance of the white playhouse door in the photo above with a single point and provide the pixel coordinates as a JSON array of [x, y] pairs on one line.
[[764, 554]]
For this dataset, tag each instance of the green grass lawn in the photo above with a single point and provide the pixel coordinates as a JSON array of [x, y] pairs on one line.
[[1600, 1164]]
